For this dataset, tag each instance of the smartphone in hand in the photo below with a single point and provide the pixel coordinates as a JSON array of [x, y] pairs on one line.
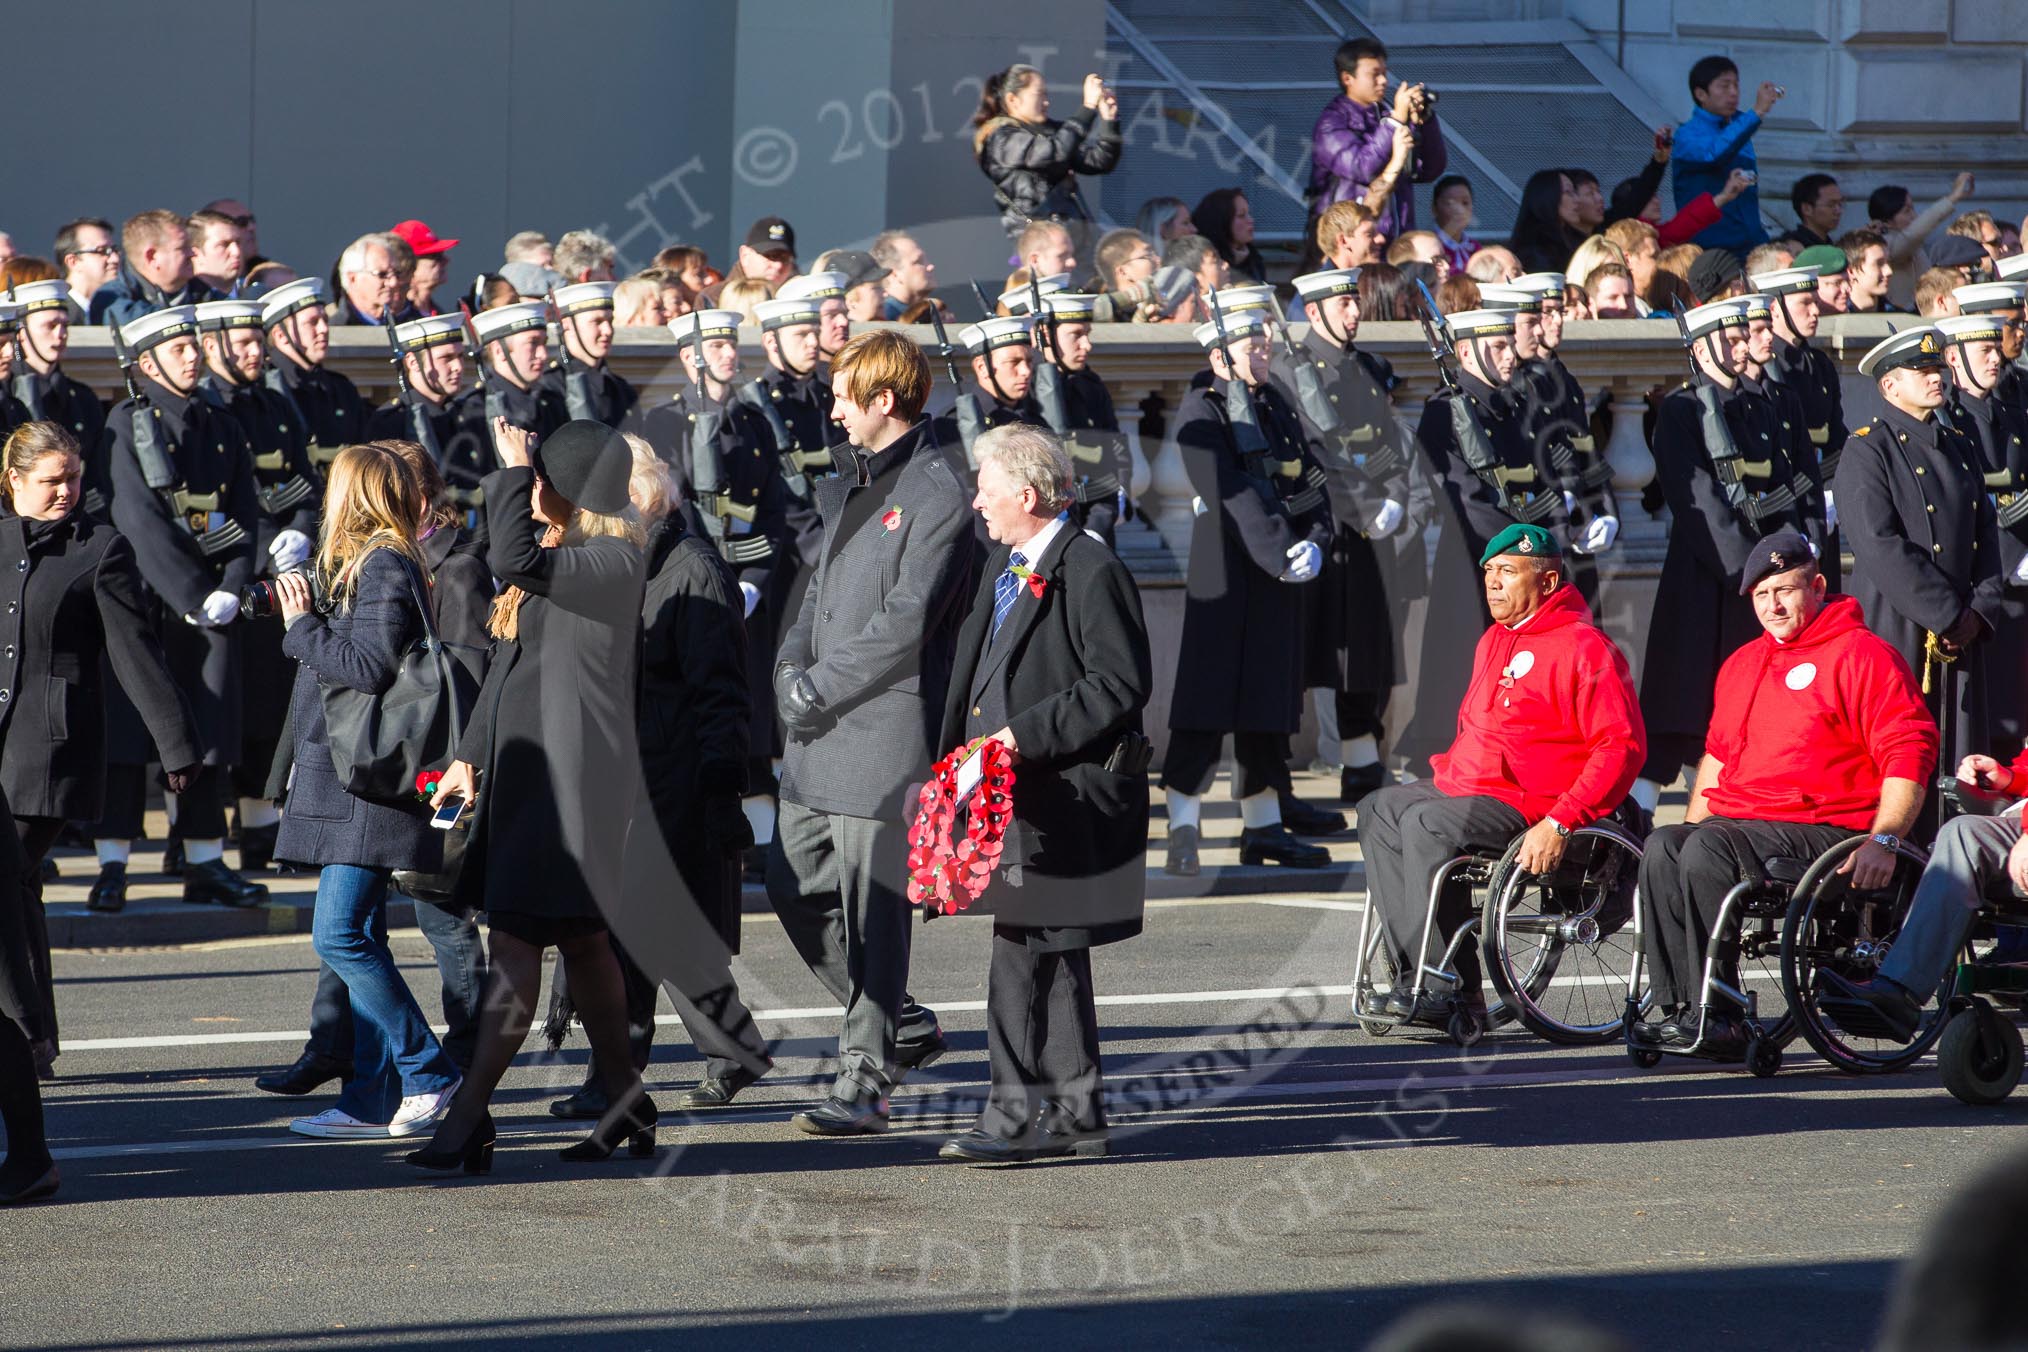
[[447, 815]]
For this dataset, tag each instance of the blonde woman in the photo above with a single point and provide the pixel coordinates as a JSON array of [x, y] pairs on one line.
[[376, 584], [554, 739], [1591, 255]]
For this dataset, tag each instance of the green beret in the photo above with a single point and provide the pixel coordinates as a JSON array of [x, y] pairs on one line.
[[1828, 259], [1519, 539]]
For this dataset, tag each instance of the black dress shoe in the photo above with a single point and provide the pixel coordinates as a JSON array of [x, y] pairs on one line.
[[1354, 784], [913, 1056], [213, 882], [835, 1117], [588, 1102], [1646, 1034], [312, 1070], [716, 1091], [1875, 1008], [982, 1147], [257, 847], [1065, 1141], [1274, 845], [1305, 820], [109, 893], [1182, 854], [36, 1189], [1428, 1007], [172, 857]]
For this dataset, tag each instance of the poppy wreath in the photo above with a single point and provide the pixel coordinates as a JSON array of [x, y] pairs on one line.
[[948, 868]]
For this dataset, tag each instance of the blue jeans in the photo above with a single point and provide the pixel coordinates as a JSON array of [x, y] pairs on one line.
[[461, 963], [394, 1052]]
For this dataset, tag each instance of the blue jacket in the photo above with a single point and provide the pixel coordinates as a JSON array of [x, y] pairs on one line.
[[129, 296], [1707, 150]]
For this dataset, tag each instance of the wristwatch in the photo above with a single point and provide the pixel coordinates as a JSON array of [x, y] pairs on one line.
[[1887, 841], [1558, 827]]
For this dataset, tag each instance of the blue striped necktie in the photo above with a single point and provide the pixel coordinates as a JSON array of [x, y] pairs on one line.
[[1005, 590]]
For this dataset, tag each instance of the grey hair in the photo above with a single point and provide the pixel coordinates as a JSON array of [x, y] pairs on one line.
[[581, 251], [1033, 457], [886, 247], [522, 247], [354, 257], [651, 487]]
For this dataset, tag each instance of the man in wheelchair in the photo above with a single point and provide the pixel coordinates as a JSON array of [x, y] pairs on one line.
[[1549, 739], [1818, 732], [1977, 856]]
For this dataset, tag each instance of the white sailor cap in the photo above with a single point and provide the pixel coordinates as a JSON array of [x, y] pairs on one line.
[[213, 315], [10, 316], [2013, 268], [1549, 285], [582, 296], [152, 330], [504, 321], [1729, 313], [1981, 326], [1981, 297], [1503, 296], [1916, 347], [431, 331], [1243, 324], [817, 286], [1328, 283], [1757, 304], [700, 326], [290, 297], [28, 297], [1794, 281], [1242, 299], [988, 334], [1480, 323], [1071, 307], [787, 312], [1018, 301]]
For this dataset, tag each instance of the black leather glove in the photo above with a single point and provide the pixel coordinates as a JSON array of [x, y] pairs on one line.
[[725, 825], [1968, 629], [178, 781], [797, 701]]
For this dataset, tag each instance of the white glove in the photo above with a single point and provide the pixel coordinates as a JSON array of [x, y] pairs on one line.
[[2021, 571], [289, 550], [1830, 511], [752, 595], [1386, 519], [1197, 507], [1305, 558], [219, 609], [1599, 534], [1569, 501]]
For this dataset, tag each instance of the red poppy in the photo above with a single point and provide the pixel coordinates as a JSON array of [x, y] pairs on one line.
[[947, 871], [426, 784], [891, 518]]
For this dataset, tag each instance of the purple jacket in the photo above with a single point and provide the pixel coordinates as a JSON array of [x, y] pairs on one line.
[[1351, 143]]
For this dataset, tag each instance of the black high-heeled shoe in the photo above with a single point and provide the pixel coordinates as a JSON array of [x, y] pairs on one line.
[[632, 1120], [475, 1156], [42, 1186]]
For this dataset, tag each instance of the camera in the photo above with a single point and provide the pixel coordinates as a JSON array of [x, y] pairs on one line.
[[261, 599]]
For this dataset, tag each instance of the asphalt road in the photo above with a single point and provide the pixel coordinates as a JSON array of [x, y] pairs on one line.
[[1278, 1179]]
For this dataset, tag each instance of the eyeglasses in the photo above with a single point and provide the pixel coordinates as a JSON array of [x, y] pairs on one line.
[[242, 221], [104, 250], [379, 274]]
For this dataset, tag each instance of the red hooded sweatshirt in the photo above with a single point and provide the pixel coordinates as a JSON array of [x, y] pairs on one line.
[[1808, 729], [1550, 726]]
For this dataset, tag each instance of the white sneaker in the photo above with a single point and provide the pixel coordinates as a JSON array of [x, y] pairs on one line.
[[334, 1124], [419, 1112]]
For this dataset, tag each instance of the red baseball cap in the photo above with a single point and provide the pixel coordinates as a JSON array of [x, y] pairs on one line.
[[423, 240]]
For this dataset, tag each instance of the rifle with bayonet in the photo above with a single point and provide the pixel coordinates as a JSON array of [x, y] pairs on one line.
[[707, 478], [1729, 464], [971, 420], [1257, 460], [1524, 504], [577, 396]]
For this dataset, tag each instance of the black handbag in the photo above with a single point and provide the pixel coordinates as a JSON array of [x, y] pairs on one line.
[[381, 744]]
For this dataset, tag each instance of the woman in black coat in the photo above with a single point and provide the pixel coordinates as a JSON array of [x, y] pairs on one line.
[[1225, 217], [71, 605], [376, 613], [1033, 162], [1545, 230], [1062, 684], [554, 736]]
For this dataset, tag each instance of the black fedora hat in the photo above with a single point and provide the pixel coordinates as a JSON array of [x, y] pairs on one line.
[[589, 464]]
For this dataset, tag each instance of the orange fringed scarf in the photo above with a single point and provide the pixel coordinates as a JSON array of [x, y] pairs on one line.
[[505, 620]]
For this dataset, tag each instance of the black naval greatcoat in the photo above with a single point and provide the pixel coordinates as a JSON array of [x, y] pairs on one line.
[[77, 408], [1700, 617], [1101, 466], [327, 403], [1812, 375], [1240, 664], [612, 399], [213, 495], [537, 409], [1354, 612], [1999, 428], [460, 439], [803, 403]]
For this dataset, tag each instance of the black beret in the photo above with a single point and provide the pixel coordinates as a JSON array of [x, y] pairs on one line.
[[1776, 553]]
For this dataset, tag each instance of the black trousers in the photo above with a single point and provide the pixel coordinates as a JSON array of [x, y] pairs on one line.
[[1361, 713], [1686, 871], [37, 834], [200, 809], [1409, 831], [1042, 1039], [1192, 762]]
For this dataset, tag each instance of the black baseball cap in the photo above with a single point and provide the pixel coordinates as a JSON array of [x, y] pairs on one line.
[[772, 234]]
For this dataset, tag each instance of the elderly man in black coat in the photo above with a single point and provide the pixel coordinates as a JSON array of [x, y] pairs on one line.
[[859, 681], [1053, 663]]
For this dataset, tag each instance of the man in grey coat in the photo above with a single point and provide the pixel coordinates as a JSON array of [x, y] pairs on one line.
[[859, 683]]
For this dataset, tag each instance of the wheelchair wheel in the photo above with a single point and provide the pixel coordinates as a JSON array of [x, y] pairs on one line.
[[1380, 976], [1561, 950], [1763, 1057], [1831, 929], [1980, 1056]]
